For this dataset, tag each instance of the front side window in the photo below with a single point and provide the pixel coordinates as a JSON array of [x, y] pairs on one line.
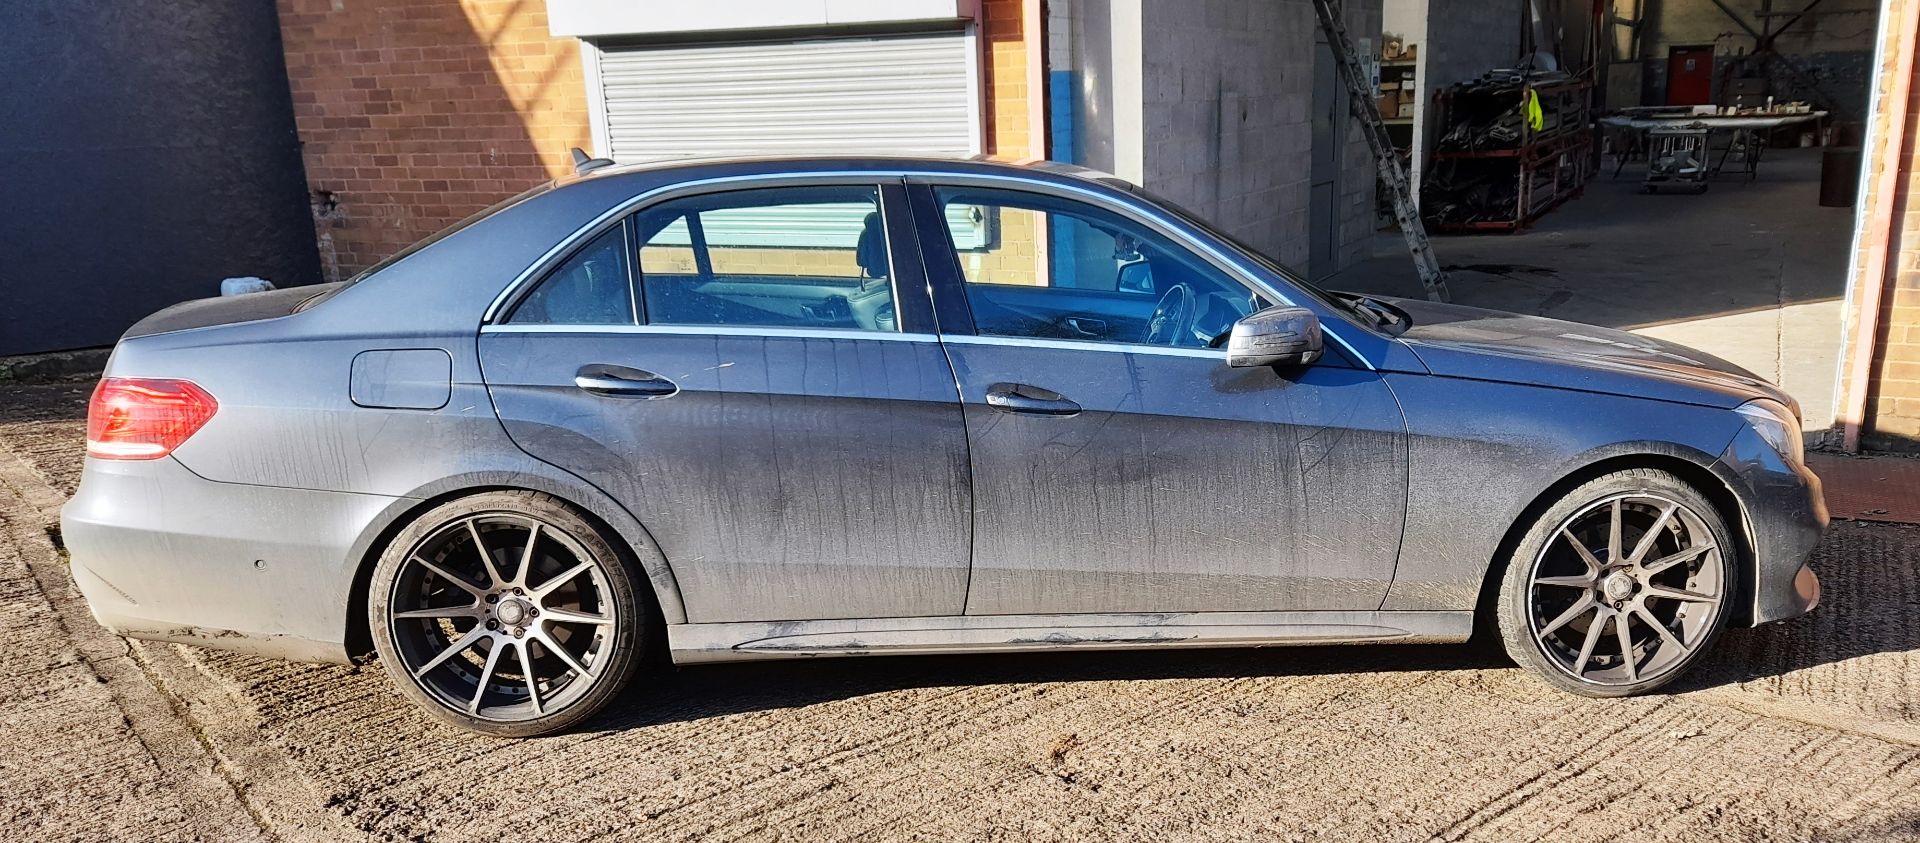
[[1044, 267], [594, 287], [791, 257]]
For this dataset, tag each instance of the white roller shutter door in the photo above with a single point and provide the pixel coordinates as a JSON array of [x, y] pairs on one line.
[[910, 95]]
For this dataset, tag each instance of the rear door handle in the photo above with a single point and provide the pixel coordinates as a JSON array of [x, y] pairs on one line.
[[622, 382], [1030, 400]]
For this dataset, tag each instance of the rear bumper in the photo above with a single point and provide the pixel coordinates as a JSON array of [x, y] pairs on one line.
[[1786, 515], [163, 554]]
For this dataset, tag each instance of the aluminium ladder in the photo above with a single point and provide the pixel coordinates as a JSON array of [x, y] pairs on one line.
[[1361, 101]]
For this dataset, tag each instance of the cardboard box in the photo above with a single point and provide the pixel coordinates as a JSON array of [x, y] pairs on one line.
[[1389, 106], [1389, 86], [1404, 109]]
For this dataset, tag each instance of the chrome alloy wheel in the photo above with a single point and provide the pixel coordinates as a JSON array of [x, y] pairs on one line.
[[1626, 589], [502, 617]]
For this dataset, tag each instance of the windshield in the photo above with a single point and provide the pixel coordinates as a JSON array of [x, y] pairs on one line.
[[1351, 305], [436, 237]]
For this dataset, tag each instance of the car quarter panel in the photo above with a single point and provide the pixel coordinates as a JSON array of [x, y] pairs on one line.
[[1482, 451]]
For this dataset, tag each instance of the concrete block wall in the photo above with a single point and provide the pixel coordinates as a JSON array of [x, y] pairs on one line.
[[1464, 40], [416, 114], [1226, 88]]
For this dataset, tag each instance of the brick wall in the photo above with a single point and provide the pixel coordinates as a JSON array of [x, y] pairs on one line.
[[1003, 80], [1892, 417], [417, 113]]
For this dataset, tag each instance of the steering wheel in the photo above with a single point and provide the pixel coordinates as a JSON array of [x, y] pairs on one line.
[[1173, 317]]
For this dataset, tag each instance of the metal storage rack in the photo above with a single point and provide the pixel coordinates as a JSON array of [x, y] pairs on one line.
[[1547, 166]]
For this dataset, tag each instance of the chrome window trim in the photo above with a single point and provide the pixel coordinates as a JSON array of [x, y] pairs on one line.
[[1131, 207], [1087, 345], [711, 331]]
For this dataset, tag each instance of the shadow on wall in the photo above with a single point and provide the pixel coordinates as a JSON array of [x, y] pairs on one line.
[[413, 116], [146, 155]]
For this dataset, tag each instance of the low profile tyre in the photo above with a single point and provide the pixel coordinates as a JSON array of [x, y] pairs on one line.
[[507, 613], [1619, 587]]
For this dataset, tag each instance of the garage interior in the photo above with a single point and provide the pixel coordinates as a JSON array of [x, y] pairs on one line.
[[1748, 266]]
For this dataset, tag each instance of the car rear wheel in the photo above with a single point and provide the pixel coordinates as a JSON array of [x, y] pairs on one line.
[[507, 613], [1620, 586]]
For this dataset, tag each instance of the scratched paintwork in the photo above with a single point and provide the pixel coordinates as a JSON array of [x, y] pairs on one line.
[[805, 484]]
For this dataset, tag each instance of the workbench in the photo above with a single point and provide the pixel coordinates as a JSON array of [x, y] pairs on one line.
[[1743, 132]]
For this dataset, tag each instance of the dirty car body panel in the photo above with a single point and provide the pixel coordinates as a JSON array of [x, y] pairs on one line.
[[821, 490]]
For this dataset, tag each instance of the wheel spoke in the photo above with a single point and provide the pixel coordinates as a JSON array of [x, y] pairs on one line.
[[1613, 532], [1680, 594], [1586, 648], [1580, 547], [472, 637], [478, 591], [561, 652], [1585, 581], [472, 611], [1578, 608], [562, 579], [526, 669], [486, 557], [1666, 634], [1625, 635], [570, 616], [1665, 562], [1652, 534], [526, 555], [486, 675]]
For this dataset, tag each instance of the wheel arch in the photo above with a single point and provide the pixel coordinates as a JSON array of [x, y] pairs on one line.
[[1697, 469], [603, 511]]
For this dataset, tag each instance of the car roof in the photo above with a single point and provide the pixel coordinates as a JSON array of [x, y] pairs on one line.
[[672, 170]]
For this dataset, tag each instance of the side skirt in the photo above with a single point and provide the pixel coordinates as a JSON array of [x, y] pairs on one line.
[[693, 643]]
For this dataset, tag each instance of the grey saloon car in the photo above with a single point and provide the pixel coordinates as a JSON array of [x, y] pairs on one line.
[[760, 409]]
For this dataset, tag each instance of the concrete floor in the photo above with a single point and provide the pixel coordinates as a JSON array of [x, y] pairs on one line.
[[1753, 273]]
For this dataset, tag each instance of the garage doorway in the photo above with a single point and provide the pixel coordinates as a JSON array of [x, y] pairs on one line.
[[1753, 269]]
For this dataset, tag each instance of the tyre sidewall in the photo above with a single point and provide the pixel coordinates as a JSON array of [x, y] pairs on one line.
[[630, 607], [1516, 633]]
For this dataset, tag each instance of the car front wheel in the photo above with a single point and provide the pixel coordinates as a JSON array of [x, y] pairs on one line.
[[1620, 586], [506, 613]]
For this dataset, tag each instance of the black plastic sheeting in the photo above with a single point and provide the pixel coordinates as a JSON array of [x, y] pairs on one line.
[[147, 150]]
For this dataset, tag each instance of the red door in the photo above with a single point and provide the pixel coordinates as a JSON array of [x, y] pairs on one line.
[[1689, 75]]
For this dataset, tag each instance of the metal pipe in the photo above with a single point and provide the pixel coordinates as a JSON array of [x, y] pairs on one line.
[[1863, 322]]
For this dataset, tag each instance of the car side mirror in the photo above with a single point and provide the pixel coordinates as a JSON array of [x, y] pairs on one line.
[[1277, 336]]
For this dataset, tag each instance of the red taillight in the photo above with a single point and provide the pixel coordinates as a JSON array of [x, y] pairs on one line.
[[144, 418]]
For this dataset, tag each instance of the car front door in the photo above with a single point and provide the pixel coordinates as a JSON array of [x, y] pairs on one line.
[[754, 375], [1119, 465]]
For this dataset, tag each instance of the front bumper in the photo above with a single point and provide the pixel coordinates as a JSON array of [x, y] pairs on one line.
[[164, 554], [1786, 514]]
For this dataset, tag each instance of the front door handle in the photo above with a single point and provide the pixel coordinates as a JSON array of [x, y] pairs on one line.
[[622, 382], [1031, 400]]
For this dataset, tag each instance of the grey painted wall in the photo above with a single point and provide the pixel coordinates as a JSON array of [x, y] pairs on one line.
[[1206, 102], [147, 151]]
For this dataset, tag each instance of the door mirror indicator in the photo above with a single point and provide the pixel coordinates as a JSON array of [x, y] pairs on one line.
[[1282, 335]]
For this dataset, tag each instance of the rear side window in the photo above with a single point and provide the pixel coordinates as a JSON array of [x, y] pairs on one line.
[[594, 287], [791, 257]]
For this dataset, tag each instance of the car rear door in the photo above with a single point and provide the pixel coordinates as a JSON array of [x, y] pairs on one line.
[[767, 396], [1140, 473]]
